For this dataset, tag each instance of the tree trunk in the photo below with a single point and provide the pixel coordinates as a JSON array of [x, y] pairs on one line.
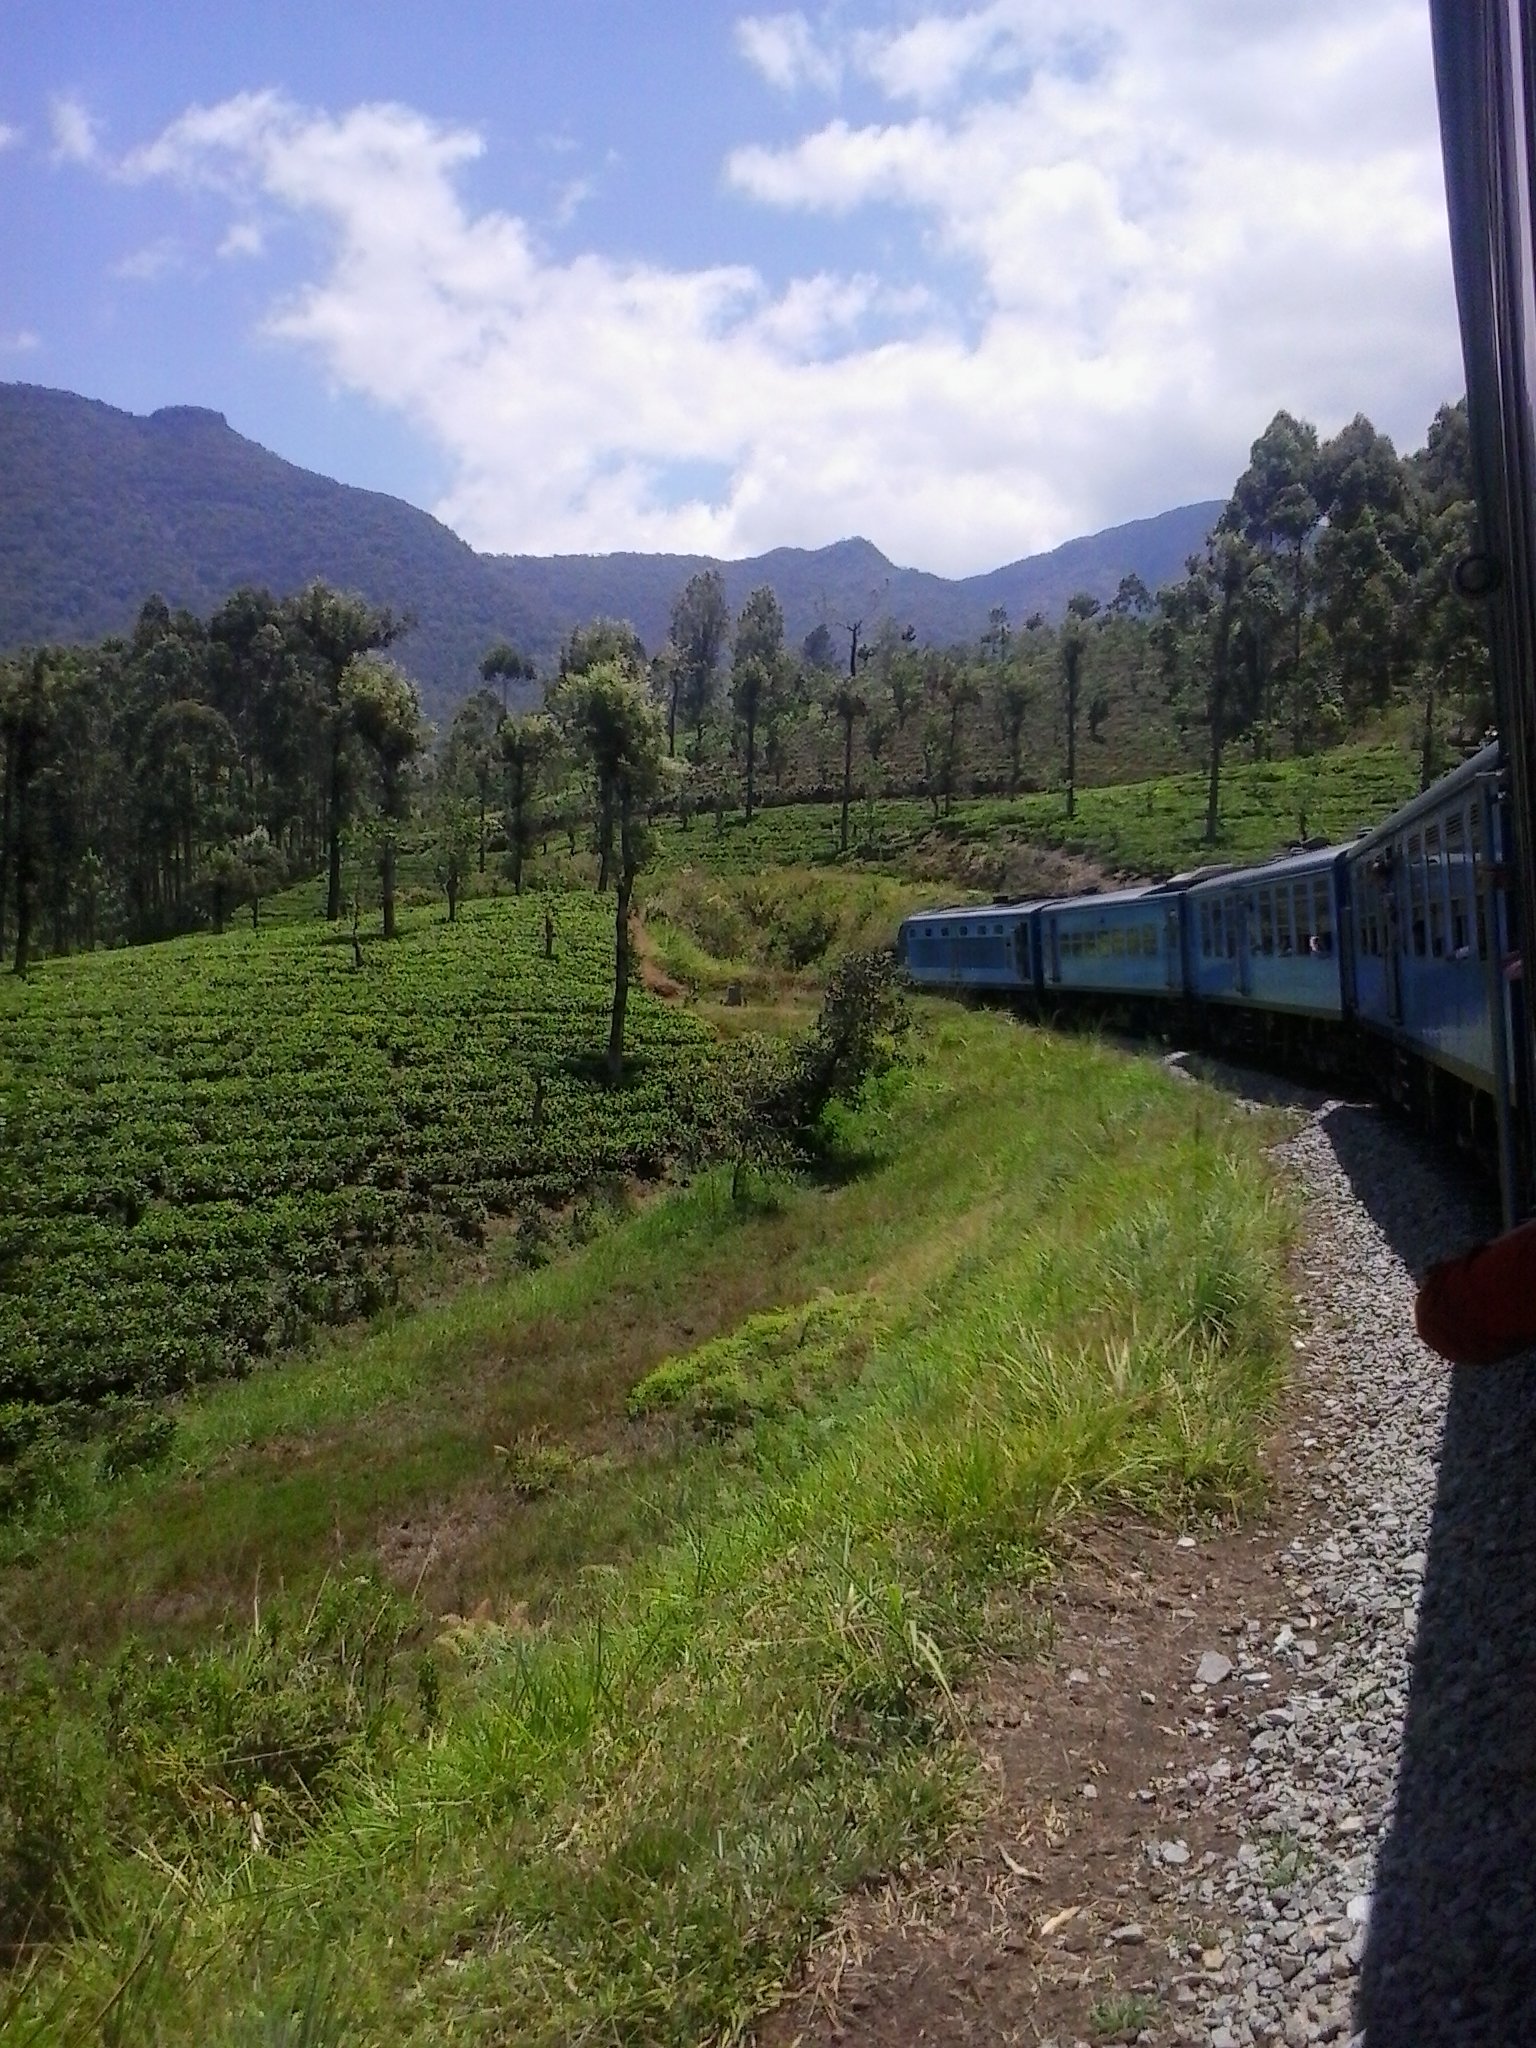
[[453, 899], [842, 823], [6, 807], [23, 891], [1072, 741], [625, 888], [751, 766], [387, 883], [1427, 744], [1213, 791], [333, 841]]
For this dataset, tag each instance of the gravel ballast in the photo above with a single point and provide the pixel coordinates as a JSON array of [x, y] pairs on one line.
[[1381, 1892]]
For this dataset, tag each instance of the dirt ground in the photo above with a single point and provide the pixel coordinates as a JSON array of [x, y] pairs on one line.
[[1052, 1923]]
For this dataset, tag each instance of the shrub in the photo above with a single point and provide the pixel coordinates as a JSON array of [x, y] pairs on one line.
[[136, 1436], [248, 1743], [50, 1807]]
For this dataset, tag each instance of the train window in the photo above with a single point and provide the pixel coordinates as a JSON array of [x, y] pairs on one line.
[[1456, 882], [1266, 922], [1229, 916], [1205, 931], [1417, 935], [1322, 916], [1475, 874], [1283, 942], [1117, 943], [1435, 881]]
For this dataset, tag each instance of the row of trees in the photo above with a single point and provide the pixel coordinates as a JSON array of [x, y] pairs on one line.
[[149, 784], [1322, 599]]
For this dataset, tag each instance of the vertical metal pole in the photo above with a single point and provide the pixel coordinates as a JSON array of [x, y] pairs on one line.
[[1483, 51], [1505, 1080]]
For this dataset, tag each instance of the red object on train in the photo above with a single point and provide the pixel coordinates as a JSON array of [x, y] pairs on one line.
[[1481, 1307]]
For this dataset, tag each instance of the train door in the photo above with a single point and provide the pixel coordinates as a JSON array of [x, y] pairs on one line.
[[1244, 911], [1173, 950], [1393, 936], [1052, 950]]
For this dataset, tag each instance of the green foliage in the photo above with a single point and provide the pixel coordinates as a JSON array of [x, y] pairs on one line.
[[216, 1146], [636, 1808], [776, 1361], [51, 1830], [1153, 828], [774, 1098], [244, 1746], [535, 1466]]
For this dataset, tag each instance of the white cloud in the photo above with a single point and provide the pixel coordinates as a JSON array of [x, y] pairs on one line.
[[788, 52], [244, 238], [155, 260], [22, 342], [1151, 229], [10, 138], [74, 129], [571, 198]]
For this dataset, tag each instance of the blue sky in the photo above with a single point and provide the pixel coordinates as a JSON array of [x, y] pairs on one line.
[[966, 276]]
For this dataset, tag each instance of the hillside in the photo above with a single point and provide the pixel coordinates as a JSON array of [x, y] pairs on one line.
[[102, 506]]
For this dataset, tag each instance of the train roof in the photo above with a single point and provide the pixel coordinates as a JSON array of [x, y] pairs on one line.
[[1484, 762], [1308, 861], [979, 910], [1103, 899]]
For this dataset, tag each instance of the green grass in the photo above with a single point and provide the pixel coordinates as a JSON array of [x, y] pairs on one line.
[[706, 1677], [1152, 828]]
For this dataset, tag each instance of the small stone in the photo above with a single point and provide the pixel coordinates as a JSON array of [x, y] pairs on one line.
[[1186, 1543], [1175, 1853], [1358, 1911], [1077, 1677], [1088, 1792], [1131, 1935], [1213, 1668]]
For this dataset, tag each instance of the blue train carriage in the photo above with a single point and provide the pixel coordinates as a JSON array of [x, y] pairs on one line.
[[1432, 940], [1272, 941], [1127, 942], [981, 946]]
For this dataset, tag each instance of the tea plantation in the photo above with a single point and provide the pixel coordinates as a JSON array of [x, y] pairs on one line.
[[211, 1146]]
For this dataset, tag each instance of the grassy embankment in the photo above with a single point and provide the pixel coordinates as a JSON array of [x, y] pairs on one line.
[[1153, 828], [721, 1608]]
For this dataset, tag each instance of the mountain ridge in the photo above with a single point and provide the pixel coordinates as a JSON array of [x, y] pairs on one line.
[[104, 506]]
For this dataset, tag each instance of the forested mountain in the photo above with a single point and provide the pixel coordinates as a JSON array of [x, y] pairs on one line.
[[152, 779], [101, 507]]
